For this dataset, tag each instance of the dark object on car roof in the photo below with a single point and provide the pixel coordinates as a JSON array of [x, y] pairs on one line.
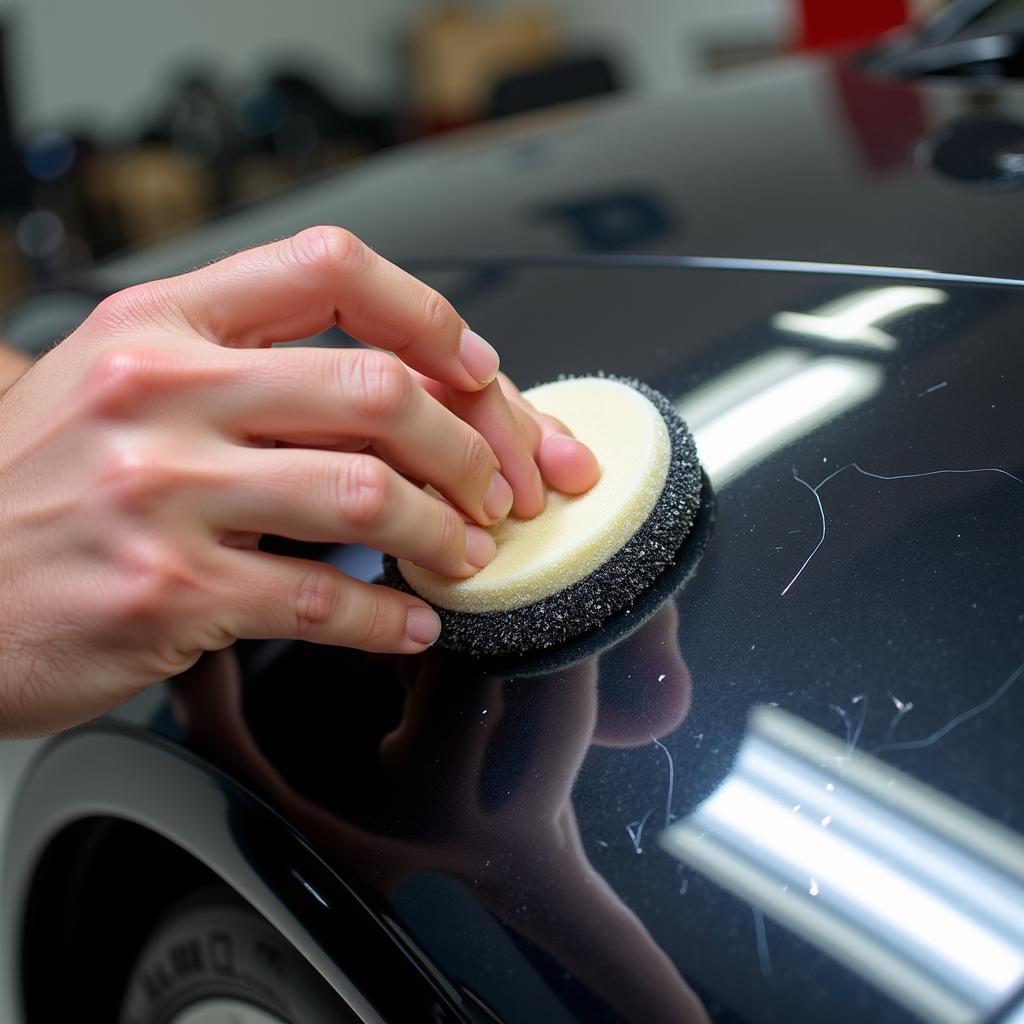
[[576, 78]]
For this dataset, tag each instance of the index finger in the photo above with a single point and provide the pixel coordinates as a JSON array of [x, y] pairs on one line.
[[325, 276]]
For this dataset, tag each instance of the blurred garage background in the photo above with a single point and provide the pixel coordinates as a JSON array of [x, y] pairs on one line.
[[125, 121]]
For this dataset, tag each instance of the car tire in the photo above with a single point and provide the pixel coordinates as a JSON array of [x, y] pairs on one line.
[[212, 959]]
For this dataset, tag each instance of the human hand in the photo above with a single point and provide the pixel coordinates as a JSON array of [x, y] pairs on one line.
[[532, 446], [143, 457]]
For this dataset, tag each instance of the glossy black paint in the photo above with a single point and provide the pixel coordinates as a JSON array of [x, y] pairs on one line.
[[914, 595], [489, 819]]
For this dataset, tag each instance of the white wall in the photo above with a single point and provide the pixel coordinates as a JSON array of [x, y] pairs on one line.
[[105, 59]]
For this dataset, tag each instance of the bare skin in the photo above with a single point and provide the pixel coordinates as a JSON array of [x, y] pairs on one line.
[[143, 457]]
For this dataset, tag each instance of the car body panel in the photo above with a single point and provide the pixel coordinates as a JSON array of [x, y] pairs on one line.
[[900, 590]]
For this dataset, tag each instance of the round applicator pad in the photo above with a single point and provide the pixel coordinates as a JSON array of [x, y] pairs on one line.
[[585, 557]]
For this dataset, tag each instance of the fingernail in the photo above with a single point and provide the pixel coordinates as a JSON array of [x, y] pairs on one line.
[[498, 502], [422, 625], [478, 357], [480, 546]]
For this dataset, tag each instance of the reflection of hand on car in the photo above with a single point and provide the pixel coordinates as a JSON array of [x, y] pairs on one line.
[[142, 458], [476, 782]]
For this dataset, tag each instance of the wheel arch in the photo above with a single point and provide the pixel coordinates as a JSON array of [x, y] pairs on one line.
[[113, 818]]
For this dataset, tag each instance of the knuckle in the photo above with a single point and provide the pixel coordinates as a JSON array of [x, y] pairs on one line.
[[153, 578], [479, 459], [379, 623], [127, 307], [379, 386], [451, 534], [121, 378], [438, 312], [327, 248], [363, 490], [316, 601], [130, 477]]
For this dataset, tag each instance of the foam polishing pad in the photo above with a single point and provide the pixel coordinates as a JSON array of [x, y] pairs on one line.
[[587, 556]]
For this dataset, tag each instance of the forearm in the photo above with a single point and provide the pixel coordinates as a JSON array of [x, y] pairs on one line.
[[12, 365]]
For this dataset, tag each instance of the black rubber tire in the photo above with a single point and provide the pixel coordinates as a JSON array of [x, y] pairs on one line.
[[212, 945]]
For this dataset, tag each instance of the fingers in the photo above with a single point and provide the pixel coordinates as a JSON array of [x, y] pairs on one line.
[[333, 394], [530, 445], [489, 413], [565, 463], [296, 599], [324, 276], [335, 497]]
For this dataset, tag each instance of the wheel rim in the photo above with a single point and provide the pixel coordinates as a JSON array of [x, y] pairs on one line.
[[221, 1010]]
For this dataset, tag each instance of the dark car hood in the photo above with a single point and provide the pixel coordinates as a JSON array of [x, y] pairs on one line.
[[857, 572], [804, 159]]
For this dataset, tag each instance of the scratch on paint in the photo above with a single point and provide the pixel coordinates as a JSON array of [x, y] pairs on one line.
[[853, 731], [934, 387], [669, 816], [816, 491], [761, 936], [902, 708], [636, 831], [821, 540], [964, 716]]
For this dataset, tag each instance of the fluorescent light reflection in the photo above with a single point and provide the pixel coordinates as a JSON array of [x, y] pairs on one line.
[[1015, 1016], [854, 319], [919, 894], [745, 415]]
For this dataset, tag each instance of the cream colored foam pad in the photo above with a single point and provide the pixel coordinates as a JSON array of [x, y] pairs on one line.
[[573, 536]]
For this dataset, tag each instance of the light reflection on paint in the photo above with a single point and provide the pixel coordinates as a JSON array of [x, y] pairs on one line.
[[745, 414], [854, 319], [788, 395], [919, 894]]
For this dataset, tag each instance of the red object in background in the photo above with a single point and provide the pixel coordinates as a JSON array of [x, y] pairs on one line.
[[828, 23], [885, 119]]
